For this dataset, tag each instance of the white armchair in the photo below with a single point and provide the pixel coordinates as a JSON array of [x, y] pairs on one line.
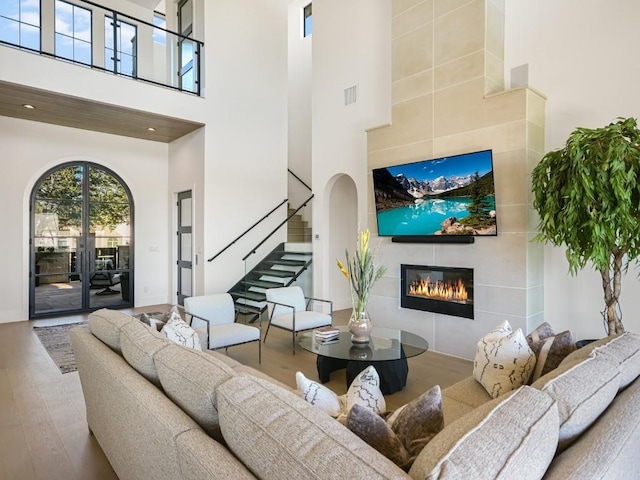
[[289, 310], [221, 329]]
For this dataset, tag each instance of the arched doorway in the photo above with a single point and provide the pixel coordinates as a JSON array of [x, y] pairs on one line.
[[81, 241]]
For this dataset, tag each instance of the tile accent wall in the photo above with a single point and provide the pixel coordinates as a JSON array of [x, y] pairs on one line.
[[448, 98]]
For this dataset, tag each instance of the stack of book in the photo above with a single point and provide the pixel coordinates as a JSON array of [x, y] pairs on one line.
[[327, 335]]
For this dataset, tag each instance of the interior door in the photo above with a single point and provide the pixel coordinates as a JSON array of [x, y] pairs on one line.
[[81, 236], [185, 250]]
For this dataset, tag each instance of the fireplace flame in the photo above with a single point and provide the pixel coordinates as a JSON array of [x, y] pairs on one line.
[[456, 292]]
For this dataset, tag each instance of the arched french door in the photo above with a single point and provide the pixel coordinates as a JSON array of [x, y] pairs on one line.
[[81, 241]]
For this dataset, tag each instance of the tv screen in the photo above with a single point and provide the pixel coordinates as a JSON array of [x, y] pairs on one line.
[[444, 196]]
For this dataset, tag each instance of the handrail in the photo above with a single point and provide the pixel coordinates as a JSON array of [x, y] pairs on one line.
[[299, 179], [277, 228], [247, 230]]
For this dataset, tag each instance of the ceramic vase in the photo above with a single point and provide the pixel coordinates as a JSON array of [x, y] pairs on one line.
[[360, 327]]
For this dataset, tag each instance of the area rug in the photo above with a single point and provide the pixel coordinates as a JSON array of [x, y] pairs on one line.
[[56, 341]]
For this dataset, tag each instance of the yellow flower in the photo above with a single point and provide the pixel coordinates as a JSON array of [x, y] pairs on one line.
[[343, 270]]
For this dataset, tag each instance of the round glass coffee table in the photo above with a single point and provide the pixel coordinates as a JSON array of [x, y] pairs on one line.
[[387, 351]]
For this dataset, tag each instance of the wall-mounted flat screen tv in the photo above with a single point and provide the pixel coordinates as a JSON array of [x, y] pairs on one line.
[[444, 196]]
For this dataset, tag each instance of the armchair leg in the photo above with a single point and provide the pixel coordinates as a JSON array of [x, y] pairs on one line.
[[294, 342], [266, 333], [259, 351]]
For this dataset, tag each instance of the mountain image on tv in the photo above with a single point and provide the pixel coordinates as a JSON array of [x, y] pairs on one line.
[[446, 196]]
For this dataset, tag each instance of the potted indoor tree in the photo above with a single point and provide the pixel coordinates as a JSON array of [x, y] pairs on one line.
[[588, 197]]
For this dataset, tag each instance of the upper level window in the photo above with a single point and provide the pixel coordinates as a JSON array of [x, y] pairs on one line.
[[120, 47], [20, 23], [307, 20], [159, 36], [73, 32]]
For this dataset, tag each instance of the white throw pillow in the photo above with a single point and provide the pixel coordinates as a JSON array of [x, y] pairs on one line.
[[318, 395], [503, 360], [363, 391], [179, 331]]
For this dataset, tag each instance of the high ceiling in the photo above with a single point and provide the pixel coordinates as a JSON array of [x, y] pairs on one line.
[[86, 114]]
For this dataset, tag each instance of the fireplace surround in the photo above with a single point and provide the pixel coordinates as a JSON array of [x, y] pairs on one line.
[[445, 290]]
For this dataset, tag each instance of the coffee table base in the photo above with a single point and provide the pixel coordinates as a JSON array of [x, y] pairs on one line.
[[393, 373]]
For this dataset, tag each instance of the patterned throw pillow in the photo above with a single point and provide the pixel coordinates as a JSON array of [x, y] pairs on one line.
[[406, 431], [178, 331], [550, 351], [318, 395], [503, 360], [363, 391], [543, 331]]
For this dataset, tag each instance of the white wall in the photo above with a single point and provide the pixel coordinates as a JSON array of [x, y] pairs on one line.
[[580, 54], [141, 164], [351, 46], [245, 169], [300, 78]]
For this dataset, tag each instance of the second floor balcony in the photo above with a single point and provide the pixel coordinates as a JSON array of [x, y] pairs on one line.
[[97, 37]]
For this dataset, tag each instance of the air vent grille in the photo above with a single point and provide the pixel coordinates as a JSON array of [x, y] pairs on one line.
[[350, 95]]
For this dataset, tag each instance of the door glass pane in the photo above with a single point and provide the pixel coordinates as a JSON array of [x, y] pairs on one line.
[[185, 277], [57, 277], [186, 17], [185, 247], [185, 212]]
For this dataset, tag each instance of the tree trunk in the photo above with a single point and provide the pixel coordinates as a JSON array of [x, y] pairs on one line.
[[612, 287]]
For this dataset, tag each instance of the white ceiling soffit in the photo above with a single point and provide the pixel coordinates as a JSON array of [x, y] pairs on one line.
[[150, 4]]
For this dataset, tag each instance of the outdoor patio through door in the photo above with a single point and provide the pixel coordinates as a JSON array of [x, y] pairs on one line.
[[81, 246]]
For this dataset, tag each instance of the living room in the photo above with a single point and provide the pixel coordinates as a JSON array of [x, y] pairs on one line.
[[586, 79]]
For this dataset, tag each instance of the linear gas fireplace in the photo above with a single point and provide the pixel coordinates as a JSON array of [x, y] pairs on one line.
[[437, 289]]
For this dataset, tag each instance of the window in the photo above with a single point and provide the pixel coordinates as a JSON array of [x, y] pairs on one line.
[[20, 23], [307, 21], [188, 49], [120, 47], [73, 32], [159, 36]]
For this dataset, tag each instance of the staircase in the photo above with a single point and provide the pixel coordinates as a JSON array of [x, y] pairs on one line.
[[280, 268], [298, 230]]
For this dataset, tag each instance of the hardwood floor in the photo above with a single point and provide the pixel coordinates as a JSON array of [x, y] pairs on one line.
[[43, 431]]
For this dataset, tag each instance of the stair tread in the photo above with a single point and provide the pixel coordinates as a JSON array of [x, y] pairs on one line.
[[287, 262], [277, 273], [262, 283], [255, 296]]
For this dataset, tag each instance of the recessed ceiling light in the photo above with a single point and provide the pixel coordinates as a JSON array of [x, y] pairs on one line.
[[151, 129], [28, 106]]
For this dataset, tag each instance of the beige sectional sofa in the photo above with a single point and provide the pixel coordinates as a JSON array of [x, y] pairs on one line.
[[162, 411]]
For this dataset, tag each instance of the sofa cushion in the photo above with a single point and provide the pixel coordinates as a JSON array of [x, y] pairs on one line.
[[624, 350], [201, 457], [503, 361], [106, 324], [550, 352], [496, 440], [139, 345], [404, 433], [276, 434], [189, 378], [583, 390]]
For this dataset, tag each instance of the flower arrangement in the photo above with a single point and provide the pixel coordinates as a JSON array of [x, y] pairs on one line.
[[361, 273]]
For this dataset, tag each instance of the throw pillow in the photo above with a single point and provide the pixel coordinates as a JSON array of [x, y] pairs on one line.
[[503, 361], [543, 331], [178, 331], [364, 391], [318, 395], [151, 321], [550, 351], [405, 432]]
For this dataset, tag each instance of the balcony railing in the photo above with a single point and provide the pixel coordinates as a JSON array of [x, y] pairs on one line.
[[91, 35]]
